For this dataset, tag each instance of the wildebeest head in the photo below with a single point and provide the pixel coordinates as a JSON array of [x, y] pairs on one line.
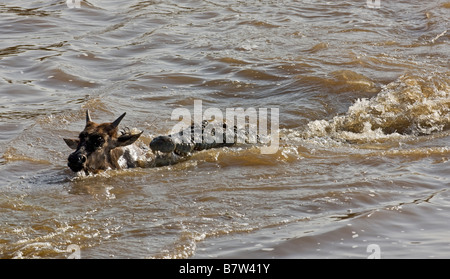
[[98, 146]]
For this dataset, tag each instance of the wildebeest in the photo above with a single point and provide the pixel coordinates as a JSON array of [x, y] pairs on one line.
[[101, 147]]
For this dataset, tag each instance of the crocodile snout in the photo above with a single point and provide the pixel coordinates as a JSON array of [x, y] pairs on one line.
[[162, 144]]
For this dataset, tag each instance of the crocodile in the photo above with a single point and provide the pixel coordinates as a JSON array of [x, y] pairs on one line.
[[187, 141]]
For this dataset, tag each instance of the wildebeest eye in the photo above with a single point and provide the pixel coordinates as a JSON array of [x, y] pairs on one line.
[[97, 141], [94, 142]]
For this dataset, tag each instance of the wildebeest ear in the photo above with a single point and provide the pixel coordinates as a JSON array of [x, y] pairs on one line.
[[72, 143], [127, 139]]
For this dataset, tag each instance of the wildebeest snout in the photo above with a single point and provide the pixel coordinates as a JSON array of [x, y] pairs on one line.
[[76, 161]]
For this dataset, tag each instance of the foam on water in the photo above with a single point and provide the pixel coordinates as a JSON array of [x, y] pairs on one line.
[[411, 105]]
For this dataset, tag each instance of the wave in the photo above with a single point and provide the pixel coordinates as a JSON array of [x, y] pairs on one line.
[[410, 106]]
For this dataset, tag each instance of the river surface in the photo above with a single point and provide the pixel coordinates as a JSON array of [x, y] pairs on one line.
[[363, 94]]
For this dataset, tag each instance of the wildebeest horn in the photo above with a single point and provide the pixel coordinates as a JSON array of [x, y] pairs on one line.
[[117, 121], [88, 117]]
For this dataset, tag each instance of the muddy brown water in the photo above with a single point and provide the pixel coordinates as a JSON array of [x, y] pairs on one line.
[[364, 115]]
